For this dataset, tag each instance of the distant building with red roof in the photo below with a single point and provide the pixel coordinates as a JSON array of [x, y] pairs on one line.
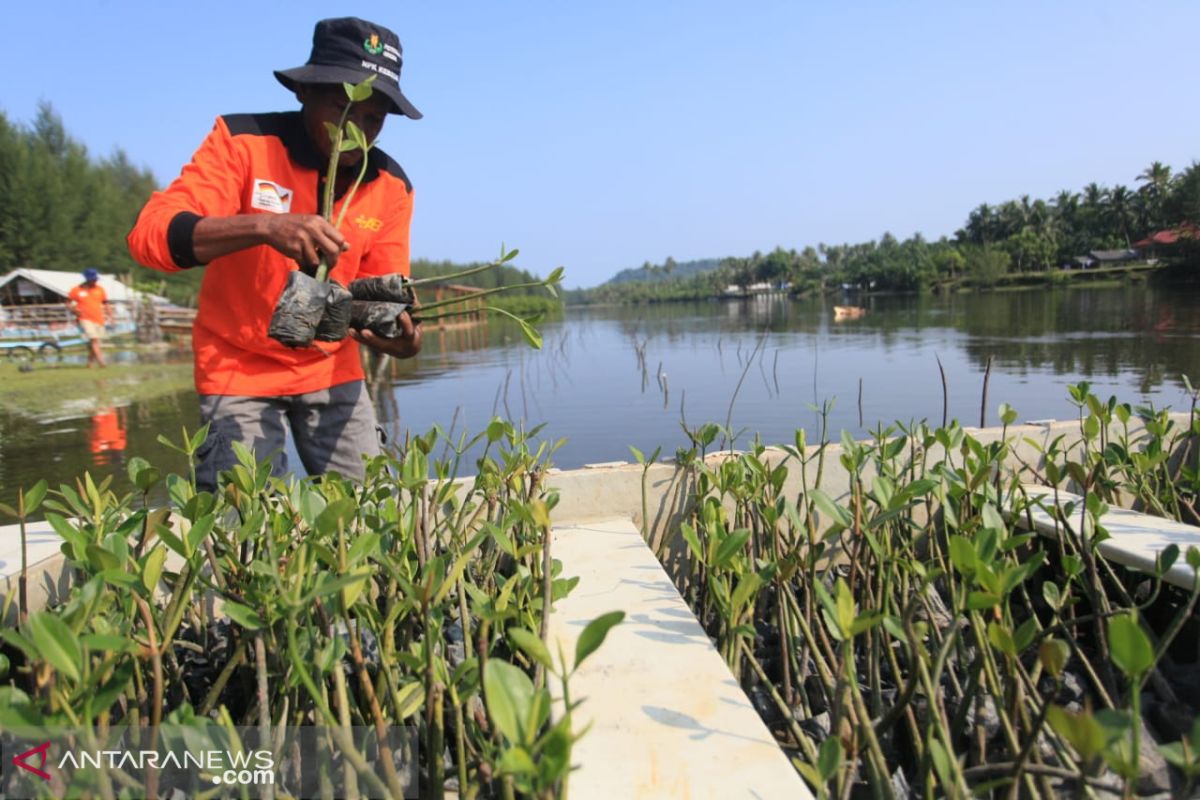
[[1186, 231]]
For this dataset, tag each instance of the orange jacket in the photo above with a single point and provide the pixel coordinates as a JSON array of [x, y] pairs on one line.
[[265, 164], [89, 302]]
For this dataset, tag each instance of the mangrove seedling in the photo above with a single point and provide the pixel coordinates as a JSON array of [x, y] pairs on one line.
[[313, 307], [378, 302]]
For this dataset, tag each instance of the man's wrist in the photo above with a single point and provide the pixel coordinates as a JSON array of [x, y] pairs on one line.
[[260, 227], [219, 236]]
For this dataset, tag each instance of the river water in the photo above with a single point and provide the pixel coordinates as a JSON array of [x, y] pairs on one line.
[[614, 377]]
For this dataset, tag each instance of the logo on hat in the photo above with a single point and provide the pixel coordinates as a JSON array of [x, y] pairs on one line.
[[335, 58]]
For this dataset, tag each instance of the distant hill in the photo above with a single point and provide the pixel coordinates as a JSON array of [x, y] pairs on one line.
[[658, 273]]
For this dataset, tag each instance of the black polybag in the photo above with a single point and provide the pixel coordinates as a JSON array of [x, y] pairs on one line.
[[309, 309], [380, 319], [393, 288], [335, 325]]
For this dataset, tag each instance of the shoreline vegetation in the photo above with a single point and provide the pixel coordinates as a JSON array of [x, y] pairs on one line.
[[1099, 277], [1099, 232]]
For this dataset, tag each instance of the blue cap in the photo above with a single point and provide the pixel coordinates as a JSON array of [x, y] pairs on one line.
[[91, 274]]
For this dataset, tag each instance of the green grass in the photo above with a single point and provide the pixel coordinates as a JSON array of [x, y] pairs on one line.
[[51, 389]]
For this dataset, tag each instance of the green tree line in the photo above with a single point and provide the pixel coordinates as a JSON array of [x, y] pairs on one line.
[[63, 208], [59, 207], [1022, 236], [518, 301]]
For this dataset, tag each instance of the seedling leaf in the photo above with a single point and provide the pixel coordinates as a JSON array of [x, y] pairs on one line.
[[1080, 729], [34, 497], [1054, 654], [56, 643], [509, 694], [532, 646], [594, 634], [532, 336], [357, 92], [829, 758], [245, 616], [1131, 648]]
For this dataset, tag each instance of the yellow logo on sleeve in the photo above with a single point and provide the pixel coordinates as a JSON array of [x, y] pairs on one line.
[[368, 223]]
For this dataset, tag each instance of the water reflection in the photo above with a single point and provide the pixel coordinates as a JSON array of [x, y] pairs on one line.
[[620, 376], [107, 441], [607, 378], [99, 440]]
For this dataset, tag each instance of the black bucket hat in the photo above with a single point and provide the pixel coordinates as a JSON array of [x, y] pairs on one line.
[[349, 50]]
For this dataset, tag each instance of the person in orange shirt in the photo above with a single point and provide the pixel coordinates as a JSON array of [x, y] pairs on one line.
[[247, 209], [89, 302]]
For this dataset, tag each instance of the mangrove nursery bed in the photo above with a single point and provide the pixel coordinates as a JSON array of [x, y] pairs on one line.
[[907, 634], [409, 606]]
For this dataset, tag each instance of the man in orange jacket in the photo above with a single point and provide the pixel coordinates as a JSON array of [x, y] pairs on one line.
[[246, 208]]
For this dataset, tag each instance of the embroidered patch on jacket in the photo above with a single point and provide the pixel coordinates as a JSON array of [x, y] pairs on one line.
[[368, 223], [270, 196]]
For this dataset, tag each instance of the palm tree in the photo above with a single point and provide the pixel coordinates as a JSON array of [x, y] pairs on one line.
[[1092, 215], [1120, 210], [1156, 176], [1071, 239], [1152, 196], [1013, 217], [1066, 204], [980, 225]]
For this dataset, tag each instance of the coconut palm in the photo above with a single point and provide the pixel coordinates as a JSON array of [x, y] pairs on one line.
[[1094, 195], [1121, 211], [1071, 239], [1152, 196], [1156, 176], [981, 224]]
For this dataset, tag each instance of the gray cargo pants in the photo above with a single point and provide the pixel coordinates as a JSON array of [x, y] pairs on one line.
[[333, 430]]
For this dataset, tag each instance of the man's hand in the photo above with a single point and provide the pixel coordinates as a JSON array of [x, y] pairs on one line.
[[307, 238], [407, 345], [303, 237]]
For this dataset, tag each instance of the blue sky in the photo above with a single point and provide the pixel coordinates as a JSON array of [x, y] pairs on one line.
[[601, 135]]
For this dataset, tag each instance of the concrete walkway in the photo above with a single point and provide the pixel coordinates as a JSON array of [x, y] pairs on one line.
[[1136, 539], [667, 718]]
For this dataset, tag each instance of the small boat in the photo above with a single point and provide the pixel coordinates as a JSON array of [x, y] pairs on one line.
[[848, 312]]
